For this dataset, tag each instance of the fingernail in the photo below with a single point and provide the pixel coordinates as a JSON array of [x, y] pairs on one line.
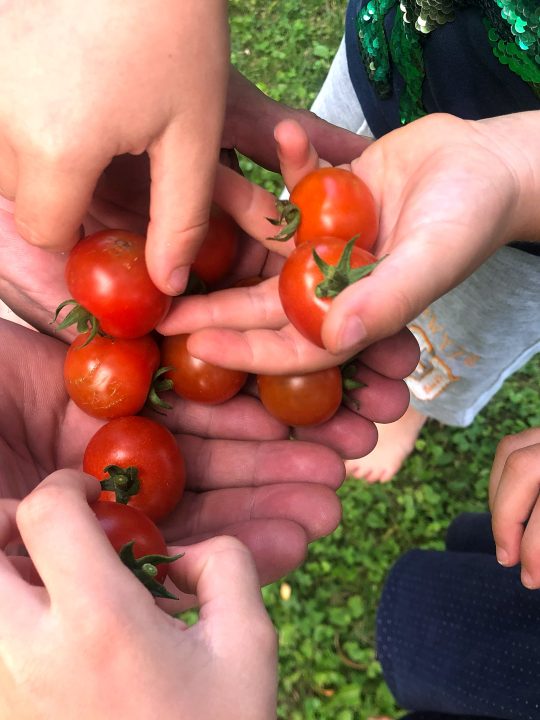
[[178, 279], [352, 333], [502, 556], [527, 580]]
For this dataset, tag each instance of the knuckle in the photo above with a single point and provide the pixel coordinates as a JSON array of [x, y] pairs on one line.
[[264, 635], [228, 544], [520, 462], [41, 506]]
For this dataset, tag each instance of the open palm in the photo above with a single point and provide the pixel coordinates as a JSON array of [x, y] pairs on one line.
[[274, 495]]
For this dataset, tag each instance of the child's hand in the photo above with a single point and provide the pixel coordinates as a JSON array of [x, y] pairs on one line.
[[82, 638], [514, 501], [121, 78], [450, 193]]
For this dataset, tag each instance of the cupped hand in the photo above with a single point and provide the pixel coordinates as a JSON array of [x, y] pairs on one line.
[[65, 604], [514, 488], [245, 477], [119, 78]]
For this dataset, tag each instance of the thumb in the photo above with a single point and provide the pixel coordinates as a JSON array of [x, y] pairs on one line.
[[51, 201], [395, 293], [182, 182], [222, 573]]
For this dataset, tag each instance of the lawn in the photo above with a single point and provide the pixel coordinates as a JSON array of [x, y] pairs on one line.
[[324, 612]]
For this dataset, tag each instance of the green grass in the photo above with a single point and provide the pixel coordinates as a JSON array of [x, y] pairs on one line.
[[328, 666], [327, 660]]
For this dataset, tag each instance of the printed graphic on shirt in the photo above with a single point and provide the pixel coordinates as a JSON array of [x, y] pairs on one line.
[[432, 375]]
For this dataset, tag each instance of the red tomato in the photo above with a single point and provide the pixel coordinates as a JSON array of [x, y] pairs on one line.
[[309, 399], [109, 377], [218, 251], [195, 379], [300, 277], [150, 453], [123, 523], [106, 273], [334, 202]]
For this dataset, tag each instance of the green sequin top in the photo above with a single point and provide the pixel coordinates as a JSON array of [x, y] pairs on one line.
[[512, 28]]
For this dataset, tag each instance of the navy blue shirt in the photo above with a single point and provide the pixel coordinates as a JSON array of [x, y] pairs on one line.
[[463, 76]]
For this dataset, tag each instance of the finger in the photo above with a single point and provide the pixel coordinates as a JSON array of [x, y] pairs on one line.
[[181, 193], [52, 199], [9, 533], [282, 352], [513, 501], [241, 418], [348, 434], [530, 551], [16, 598], [250, 206], [238, 308], [296, 154], [380, 399], [215, 464], [508, 445], [314, 507], [278, 546], [70, 551], [222, 573], [395, 357], [384, 302]]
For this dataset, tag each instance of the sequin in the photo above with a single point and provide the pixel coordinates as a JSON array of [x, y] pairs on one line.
[[512, 28]]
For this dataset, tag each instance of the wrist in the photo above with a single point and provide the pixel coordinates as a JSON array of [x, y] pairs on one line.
[[515, 142]]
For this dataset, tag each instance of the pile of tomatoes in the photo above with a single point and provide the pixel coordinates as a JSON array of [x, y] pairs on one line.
[[111, 369], [117, 364]]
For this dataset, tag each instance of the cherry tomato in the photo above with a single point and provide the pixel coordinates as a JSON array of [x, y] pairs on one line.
[[195, 379], [148, 470], [123, 523], [218, 251], [110, 377], [300, 276], [334, 202], [106, 273], [309, 399]]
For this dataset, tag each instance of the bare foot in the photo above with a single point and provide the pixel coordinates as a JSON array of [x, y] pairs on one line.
[[395, 444]]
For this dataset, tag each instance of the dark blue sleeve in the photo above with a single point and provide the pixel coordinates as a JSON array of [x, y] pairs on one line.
[[458, 634]]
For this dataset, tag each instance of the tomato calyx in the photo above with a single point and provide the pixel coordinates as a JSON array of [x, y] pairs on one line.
[[82, 318], [195, 285], [350, 383], [144, 568], [338, 277], [123, 482], [158, 385], [288, 219]]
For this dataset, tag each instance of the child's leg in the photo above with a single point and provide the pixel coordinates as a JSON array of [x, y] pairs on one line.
[[395, 444]]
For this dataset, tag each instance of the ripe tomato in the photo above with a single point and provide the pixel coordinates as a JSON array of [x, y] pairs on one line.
[[334, 202], [195, 379], [309, 399], [218, 251], [300, 276], [106, 274], [123, 524], [148, 470], [110, 377]]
